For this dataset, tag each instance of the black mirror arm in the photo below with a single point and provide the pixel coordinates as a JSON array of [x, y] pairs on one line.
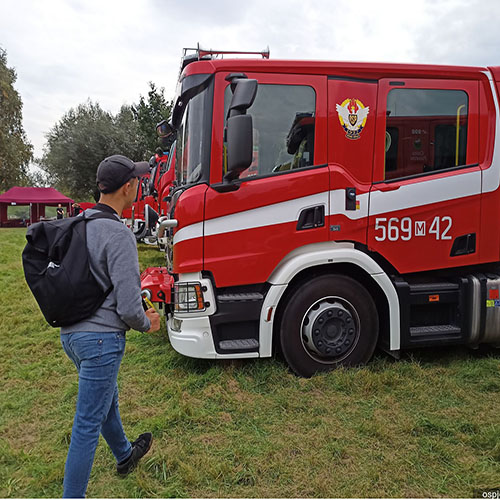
[[226, 186], [231, 176]]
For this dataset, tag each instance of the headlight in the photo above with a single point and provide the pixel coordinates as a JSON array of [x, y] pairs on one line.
[[188, 297]]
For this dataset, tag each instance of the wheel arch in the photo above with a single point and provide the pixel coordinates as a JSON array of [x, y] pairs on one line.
[[315, 260]]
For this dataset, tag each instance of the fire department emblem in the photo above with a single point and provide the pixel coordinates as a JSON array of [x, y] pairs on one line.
[[352, 116]]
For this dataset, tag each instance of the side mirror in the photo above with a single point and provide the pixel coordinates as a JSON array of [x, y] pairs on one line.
[[239, 144], [239, 131], [164, 129], [244, 92], [151, 217]]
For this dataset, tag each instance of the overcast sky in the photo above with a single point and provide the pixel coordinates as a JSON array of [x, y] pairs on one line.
[[68, 51]]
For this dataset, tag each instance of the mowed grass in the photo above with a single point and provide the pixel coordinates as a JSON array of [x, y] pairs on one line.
[[425, 426]]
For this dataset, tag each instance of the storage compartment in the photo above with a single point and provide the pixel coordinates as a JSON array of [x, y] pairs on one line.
[[433, 313], [490, 308]]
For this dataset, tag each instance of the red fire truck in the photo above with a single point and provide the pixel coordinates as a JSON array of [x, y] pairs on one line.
[[325, 208], [165, 186], [165, 182], [143, 215]]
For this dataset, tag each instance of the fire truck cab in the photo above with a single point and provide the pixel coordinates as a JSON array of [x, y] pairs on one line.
[[325, 208]]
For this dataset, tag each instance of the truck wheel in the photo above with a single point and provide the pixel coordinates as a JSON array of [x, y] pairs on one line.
[[328, 322]]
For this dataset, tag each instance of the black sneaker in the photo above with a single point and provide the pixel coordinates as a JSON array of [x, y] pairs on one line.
[[139, 448]]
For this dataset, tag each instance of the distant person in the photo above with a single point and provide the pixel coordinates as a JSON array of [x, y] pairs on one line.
[[60, 211], [96, 345], [76, 209]]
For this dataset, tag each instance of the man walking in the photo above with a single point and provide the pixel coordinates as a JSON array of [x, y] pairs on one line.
[[96, 344]]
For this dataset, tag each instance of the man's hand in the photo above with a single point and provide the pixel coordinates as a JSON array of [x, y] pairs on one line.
[[154, 317]]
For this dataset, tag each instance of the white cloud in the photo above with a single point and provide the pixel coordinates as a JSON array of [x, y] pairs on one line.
[[65, 52], [460, 32]]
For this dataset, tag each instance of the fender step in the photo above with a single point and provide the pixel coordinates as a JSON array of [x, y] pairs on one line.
[[239, 345], [448, 330]]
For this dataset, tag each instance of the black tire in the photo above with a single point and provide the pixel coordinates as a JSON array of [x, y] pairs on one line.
[[330, 321]]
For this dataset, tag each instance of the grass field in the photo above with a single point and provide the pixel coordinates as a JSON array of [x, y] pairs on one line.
[[425, 426]]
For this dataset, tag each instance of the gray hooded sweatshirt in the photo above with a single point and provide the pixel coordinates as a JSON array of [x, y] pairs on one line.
[[113, 261]]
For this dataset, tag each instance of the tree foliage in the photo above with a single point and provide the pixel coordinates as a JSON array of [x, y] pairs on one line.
[[80, 140], [15, 150], [148, 113], [87, 134]]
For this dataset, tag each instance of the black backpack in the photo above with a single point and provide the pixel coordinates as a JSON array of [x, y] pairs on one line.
[[57, 270]]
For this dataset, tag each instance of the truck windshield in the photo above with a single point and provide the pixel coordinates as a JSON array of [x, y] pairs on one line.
[[193, 140]]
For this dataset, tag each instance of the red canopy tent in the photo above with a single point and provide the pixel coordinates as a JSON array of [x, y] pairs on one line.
[[36, 198]]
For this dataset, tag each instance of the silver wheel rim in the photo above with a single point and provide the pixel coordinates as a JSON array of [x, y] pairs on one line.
[[330, 330]]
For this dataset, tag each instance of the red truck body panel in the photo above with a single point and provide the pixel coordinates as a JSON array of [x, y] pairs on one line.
[[242, 236]]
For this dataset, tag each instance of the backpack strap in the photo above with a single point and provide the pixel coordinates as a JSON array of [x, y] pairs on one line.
[[101, 215]]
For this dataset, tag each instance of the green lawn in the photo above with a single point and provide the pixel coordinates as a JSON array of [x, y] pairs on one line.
[[425, 426]]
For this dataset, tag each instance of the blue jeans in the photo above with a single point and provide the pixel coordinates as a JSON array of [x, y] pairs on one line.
[[97, 357]]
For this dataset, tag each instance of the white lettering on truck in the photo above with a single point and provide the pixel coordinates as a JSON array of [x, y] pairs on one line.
[[405, 229]]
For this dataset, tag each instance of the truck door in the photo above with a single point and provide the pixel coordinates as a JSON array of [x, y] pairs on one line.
[[352, 111], [281, 201], [424, 208]]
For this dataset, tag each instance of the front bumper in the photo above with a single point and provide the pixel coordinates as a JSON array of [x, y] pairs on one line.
[[192, 337], [190, 333]]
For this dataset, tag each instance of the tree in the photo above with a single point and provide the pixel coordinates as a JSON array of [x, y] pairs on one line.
[[81, 140], [15, 150], [87, 134], [128, 135], [38, 178], [148, 113]]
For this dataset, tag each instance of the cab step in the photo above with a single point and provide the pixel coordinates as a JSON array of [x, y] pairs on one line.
[[239, 345], [420, 331]]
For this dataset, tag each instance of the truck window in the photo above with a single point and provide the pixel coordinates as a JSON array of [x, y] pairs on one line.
[[283, 128], [426, 131], [193, 139]]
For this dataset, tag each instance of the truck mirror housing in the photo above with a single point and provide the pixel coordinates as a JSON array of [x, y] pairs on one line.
[[239, 143], [244, 92], [239, 127], [164, 129]]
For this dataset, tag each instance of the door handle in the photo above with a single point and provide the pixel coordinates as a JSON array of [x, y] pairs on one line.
[[311, 217], [350, 198]]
